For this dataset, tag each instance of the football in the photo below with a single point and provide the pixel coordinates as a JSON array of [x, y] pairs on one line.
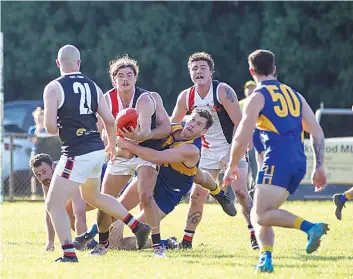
[[126, 118]]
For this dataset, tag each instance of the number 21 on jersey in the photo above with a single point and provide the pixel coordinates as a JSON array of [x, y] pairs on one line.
[[288, 100], [85, 101]]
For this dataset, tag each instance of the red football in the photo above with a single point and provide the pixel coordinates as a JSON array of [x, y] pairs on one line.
[[127, 118]]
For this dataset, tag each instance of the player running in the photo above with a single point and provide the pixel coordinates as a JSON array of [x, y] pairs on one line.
[[282, 115], [220, 99]]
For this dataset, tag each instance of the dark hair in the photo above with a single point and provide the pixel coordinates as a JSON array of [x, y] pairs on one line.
[[122, 62], [262, 61], [38, 159], [205, 114], [201, 56]]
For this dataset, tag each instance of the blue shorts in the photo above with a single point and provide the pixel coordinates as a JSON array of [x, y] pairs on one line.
[[283, 174], [167, 198]]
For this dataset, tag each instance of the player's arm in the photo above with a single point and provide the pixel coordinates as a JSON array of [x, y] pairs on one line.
[[52, 98], [244, 132], [108, 121], [163, 128], [229, 100], [185, 152], [317, 138], [180, 108], [48, 224]]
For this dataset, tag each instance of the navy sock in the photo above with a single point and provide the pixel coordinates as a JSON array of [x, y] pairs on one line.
[[93, 231], [343, 198]]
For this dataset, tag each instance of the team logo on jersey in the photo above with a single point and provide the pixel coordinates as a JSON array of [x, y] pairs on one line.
[[80, 132], [216, 108]]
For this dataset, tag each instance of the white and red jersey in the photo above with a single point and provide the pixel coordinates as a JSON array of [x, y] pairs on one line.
[[220, 133]]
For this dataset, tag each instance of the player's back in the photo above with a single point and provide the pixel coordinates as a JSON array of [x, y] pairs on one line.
[[280, 121], [77, 115]]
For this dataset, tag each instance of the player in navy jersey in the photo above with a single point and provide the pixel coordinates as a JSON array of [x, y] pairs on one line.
[[282, 115], [71, 105]]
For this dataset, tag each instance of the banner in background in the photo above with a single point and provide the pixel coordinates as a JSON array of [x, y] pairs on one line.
[[338, 160]]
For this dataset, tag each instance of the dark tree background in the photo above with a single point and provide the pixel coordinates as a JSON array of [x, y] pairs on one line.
[[313, 43]]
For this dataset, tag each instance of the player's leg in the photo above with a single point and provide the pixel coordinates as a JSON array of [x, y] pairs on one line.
[[79, 211], [146, 181], [197, 200], [130, 197], [112, 185], [70, 213], [60, 191], [241, 192], [340, 200], [204, 179]]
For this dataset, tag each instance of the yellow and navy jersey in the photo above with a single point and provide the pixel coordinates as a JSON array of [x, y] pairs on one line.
[[177, 176], [280, 120]]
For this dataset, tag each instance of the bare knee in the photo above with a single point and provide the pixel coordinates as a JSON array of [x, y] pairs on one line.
[[261, 217]]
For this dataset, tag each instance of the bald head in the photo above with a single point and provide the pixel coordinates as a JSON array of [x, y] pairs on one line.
[[68, 58]]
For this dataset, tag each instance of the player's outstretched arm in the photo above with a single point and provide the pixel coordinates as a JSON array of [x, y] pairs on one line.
[[244, 132], [317, 138], [180, 154], [163, 128], [51, 98], [180, 109]]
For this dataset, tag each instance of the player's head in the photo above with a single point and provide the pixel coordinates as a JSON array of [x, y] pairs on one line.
[[38, 116], [262, 63], [69, 59], [42, 167], [124, 72], [201, 68], [249, 88], [199, 122]]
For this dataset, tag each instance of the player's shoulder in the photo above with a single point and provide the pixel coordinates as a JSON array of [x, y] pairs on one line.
[[110, 92]]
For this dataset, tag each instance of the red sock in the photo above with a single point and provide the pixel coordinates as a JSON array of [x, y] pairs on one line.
[[69, 250], [131, 222]]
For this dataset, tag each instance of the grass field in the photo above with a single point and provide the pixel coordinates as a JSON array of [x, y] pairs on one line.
[[221, 248]]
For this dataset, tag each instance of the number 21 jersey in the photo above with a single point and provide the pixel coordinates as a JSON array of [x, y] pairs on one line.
[[77, 119]]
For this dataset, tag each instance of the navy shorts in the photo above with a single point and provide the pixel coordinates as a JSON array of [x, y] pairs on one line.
[[285, 175]]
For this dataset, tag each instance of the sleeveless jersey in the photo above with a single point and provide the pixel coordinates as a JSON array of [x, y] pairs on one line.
[[177, 176], [280, 122], [221, 132], [116, 105], [77, 119]]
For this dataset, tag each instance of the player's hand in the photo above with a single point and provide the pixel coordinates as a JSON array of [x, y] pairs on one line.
[[319, 178], [104, 137], [130, 133], [230, 174], [122, 143], [110, 150], [49, 247]]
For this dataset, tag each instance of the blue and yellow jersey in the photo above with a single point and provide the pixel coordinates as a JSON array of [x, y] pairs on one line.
[[280, 120], [177, 176]]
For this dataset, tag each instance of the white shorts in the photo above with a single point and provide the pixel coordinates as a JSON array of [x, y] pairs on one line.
[[80, 168], [122, 166], [211, 158]]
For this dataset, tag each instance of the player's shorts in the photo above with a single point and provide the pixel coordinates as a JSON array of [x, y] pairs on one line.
[[211, 158], [122, 166], [285, 175], [166, 198], [80, 168]]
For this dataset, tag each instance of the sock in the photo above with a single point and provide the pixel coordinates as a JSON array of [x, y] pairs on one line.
[[266, 250], [251, 230], [163, 242], [131, 222], [93, 231], [104, 239], [303, 225], [217, 191], [345, 197], [188, 235], [156, 240], [69, 250]]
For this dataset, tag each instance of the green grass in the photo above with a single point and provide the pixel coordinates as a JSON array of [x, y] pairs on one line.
[[221, 248]]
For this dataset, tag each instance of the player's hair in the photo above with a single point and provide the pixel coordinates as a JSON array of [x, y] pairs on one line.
[[262, 61], [249, 83], [124, 61], [37, 111], [38, 159], [205, 114], [198, 56]]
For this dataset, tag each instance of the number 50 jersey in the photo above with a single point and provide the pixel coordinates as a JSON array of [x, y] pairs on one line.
[[280, 121], [77, 119]]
